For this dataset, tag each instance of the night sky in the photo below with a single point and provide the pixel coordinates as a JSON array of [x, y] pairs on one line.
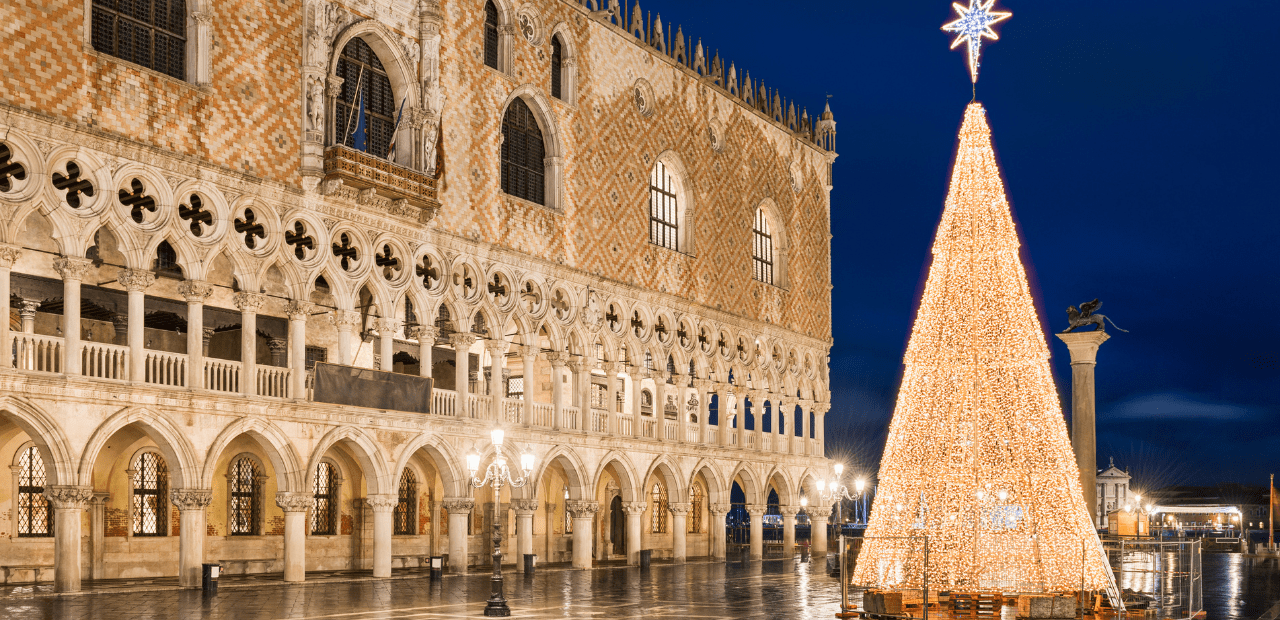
[[1136, 140]]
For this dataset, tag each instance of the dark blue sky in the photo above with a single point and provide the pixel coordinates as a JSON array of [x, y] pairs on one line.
[[1137, 141]]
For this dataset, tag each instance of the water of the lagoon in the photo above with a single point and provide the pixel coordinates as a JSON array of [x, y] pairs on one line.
[[1237, 587]]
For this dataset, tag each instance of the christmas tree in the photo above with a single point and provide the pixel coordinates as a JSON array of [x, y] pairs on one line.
[[978, 458]]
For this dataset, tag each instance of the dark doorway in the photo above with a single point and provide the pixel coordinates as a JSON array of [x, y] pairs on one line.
[[618, 526]]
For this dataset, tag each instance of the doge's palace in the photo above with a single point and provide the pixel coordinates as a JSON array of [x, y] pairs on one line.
[[583, 226]]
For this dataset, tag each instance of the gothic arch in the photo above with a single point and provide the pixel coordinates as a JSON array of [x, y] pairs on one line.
[[751, 488], [47, 435], [284, 458], [780, 481], [372, 462], [686, 203], [574, 469], [506, 33], [552, 140], [441, 455], [778, 232], [568, 61], [400, 68], [669, 470], [626, 472], [172, 444], [717, 491]]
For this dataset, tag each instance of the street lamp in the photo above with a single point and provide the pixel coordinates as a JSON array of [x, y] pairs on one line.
[[497, 475], [835, 493]]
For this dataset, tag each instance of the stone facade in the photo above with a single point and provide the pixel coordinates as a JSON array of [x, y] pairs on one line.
[[178, 252]]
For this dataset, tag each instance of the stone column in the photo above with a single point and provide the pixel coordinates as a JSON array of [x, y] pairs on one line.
[[803, 428], [788, 530], [660, 406], [818, 539], [195, 292], [679, 528], [68, 502], [73, 271], [249, 304], [529, 360], [426, 337], [611, 370], [299, 312], [462, 375], [386, 341], [583, 514], [782, 423], [497, 390], [27, 313], [345, 321], [820, 427], [1084, 439], [383, 507], [459, 512], [191, 505], [704, 408], [724, 417], [97, 532], [558, 362], [755, 515], [719, 542], [581, 370], [757, 411], [295, 507], [637, 386], [8, 256], [635, 516], [525, 509], [135, 282]]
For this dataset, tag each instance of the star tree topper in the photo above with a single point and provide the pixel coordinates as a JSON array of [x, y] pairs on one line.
[[975, 22]]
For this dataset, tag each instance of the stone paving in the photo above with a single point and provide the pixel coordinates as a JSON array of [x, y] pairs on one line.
[[771, 589]]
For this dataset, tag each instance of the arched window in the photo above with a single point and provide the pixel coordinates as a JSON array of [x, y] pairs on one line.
[[406, 515], [696, 498], [523, 154], [664, 216], [557, 67], [150, 495], [324, 509], [245, 493], [762, 249], [490, 35], [568, 517], [151, 34], [659, 508], [646, 402], [365, 83], [35, 513]]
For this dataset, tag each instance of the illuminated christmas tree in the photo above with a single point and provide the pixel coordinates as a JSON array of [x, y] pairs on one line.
[[978, 458]]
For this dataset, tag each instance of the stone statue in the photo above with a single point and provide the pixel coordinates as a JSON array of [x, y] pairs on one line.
[[315, 106], [1085, 316]]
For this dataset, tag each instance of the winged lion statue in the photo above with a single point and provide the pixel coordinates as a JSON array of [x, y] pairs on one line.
[[1087, 316]]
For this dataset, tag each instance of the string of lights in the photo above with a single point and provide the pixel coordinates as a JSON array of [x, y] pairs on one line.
[[978, 458]]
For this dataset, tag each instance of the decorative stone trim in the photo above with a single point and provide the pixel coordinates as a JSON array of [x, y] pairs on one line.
[[581, 509], [136, 280], [72, 268], [294, 502], [194, 291], [459, 505], [250, 302], [524, 507], [191, 499], [66, 497]]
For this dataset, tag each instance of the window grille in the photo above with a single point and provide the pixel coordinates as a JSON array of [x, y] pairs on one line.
[[490, 35], [35, 513], [646, 402], [359, 65], [523, 152], [323, 519], [599, 396], [150, 495], [664, 226], [515, 387], [246, 498], [151, 33], [166, 263], [762, 250], [659, 509], [695, 516], [568, 516], [316, 354], [406, 515], [557, 67]]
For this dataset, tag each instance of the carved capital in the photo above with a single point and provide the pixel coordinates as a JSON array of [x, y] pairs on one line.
[[67, 497], [298, 310], [278, 346], [680, 509], [524, 507], [9, 255], [720, 509], [344, 319], [558, 359], [387, 327], [703, 385], [756, 510], [459, 505], [28, 309], [202, 19], [136, 280], [789, 512], [821, 408], [497, 348], [195, 291], [293, 502], [382, 503], [191, 499], [581, 509], [423, 333], [578, 366], [462, 340], [529, 350], [72, 268], [613, 368], [334, 87], [633, 508], [250, 302]]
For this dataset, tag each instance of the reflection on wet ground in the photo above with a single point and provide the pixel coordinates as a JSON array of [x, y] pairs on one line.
[[1237, 587]]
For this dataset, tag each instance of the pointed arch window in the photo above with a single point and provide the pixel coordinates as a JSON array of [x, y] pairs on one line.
[[523, 154], [364, 83], [660, 506], [697, 499], [150, 495], [664, 218], [245, 493], [406, 515], [151, 34], [568, 516], [490, 35], [557, 68], [762, 249], [35, 513], [324, 509]]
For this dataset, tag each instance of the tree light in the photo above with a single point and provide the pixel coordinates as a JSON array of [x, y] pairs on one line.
[[975, 23], [977, 413]]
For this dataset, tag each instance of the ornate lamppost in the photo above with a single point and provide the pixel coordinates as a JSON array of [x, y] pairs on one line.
[[497, 475], [835, 493]]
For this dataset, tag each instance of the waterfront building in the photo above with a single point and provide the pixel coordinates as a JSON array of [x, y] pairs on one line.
[[582, 226], [1113, 493]]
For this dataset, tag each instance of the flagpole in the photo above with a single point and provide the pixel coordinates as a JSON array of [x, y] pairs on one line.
[[354, 102], [1271, 516]]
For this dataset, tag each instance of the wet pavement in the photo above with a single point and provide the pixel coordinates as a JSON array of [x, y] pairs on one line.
[[771, 589], [1238, 587]]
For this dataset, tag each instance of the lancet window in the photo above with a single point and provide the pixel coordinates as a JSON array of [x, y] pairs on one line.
[[406, 514], [523, 154], [245, 497], [490, 35], [150, 495], [762, 249], [660, 507], [697, 499], [664, 218], [557, 68], [364, 84], [35, 513], [325, 497]]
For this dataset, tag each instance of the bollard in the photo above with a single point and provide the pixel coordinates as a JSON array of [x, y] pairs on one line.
[[437, 568], [530, 560], [645, 556], [209, 578]]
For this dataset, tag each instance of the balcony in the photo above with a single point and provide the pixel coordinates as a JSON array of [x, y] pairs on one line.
[[365, 172]]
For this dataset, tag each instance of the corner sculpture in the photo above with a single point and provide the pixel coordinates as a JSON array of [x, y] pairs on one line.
[[1085, 316]]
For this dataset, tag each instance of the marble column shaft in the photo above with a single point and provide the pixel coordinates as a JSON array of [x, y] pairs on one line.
[[1084, 439], [383, 507], [755, 515], [249, 304], [679, 531], [68, 504], [191, 505], [459, 513], [8, 256], [295, 507], [583, 514], [525, 509], [73, 271]]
